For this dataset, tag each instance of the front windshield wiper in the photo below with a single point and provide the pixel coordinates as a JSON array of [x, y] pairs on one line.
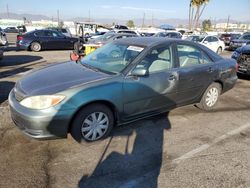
[[96, 69], [90, 67]]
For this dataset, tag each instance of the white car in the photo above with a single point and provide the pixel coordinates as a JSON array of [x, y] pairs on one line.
[[212, 42]]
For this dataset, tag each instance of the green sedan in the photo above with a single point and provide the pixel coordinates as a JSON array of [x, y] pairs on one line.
[[123, 81]]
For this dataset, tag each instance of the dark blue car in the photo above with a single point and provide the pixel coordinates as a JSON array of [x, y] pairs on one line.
[[242, 41], [44, 40], [242, 56]]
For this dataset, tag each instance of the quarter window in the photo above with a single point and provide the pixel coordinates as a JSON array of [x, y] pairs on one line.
[[191, 56]]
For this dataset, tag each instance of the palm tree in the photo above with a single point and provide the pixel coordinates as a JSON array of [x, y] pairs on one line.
[[199, 5]]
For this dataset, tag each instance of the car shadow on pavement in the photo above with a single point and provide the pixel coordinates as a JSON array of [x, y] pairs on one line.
[[5, 88], [13, 60], [138, 168], [244, 77], [12, 65]]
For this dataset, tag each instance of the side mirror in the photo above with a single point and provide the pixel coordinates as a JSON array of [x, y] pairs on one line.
[[139, 71], [205, 42]]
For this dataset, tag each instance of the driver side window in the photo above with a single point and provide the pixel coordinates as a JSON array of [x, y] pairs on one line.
[[159, 59]]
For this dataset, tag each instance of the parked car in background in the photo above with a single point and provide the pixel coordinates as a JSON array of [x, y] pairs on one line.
[[123, 81], [169, 34], [242, 56], [11, 30], [242, 41], [123, 31], [212, 42], [119, 27], [45, 39], [22, 29], [96, 35], [3, 38], [228, 37], [64, 31], [108, 37]]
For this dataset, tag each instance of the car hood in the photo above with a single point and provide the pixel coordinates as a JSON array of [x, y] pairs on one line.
[[244, 49], [57, 78]]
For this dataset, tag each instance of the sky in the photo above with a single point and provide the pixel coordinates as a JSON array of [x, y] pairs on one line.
[[129, 9]]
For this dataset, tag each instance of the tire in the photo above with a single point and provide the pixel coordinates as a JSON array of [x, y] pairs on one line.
[[85, 126], [35, 46], [210, 97], [219, 50]]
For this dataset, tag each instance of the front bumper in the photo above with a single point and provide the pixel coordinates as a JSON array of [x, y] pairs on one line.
[[40, 124], [244, 64]]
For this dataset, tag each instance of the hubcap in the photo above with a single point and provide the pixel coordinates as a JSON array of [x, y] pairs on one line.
[[36, 47], [212, 97], [95, 126]]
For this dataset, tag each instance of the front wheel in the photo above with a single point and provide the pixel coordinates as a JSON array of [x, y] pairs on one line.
[[92, 123], [210, 97]]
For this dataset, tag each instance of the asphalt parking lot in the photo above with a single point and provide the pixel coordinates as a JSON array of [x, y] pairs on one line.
[[184, 148]]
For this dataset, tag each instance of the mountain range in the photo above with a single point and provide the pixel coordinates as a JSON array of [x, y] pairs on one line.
[[137, 21]]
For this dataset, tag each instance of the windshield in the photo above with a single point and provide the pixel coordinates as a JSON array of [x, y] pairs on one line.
[[106, 36], [195, 38], [112, 58]]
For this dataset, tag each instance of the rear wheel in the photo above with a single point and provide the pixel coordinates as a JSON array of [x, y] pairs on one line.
[[35, 46], [210, 97], [92, 123]]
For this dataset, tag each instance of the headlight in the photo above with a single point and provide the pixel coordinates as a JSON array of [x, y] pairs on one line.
[[244, 44], [41, 102]]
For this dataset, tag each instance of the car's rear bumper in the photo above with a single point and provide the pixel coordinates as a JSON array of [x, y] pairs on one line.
[[22, 46], [40, 124]]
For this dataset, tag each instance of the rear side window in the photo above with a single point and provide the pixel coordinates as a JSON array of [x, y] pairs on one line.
[[246, 37], [191, 56], [39, 33], [214, 39]]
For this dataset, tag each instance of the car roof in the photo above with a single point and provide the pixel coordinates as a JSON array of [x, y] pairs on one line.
[[154, 41], [146, 41], [121, 34]]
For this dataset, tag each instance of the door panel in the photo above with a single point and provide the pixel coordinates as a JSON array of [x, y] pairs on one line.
[[155, 92], [196, 73]]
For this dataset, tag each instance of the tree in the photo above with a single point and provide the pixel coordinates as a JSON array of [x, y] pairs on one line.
[[196, 8], [130, 23], [206, 25]]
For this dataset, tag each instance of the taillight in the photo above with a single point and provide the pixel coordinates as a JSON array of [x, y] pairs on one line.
[[237, 67], [20, 38]]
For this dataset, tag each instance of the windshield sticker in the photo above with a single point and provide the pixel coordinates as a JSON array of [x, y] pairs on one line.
[[135, 48]]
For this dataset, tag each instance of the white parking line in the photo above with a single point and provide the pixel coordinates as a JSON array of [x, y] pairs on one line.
[[135, 182], [203, 147]]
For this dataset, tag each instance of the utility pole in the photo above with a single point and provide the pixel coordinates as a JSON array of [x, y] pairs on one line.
[[143, 20], [58, 20], [228, 18], [8, 14], [152, 24], [89, 15]]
